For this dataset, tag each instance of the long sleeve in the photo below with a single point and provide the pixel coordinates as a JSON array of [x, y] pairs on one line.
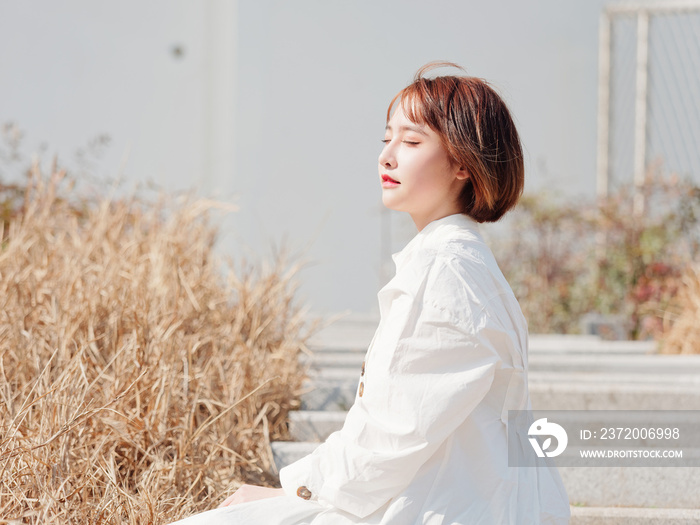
[[426, 371]]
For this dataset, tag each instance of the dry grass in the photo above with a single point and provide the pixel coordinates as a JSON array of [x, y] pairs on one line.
[[683, 337], [137, 383]]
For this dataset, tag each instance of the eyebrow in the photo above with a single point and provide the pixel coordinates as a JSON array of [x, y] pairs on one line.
[[417, 129]]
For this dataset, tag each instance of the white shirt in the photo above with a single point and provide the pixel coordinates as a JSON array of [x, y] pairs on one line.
[[426, 443]]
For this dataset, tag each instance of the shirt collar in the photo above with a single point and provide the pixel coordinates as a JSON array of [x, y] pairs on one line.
[[434, 231]]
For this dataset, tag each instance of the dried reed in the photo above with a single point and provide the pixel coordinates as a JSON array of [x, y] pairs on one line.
[[138, 384], [683, 337]]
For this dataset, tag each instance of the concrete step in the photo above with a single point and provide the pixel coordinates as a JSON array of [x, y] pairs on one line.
[[315, 425], [614, 396], [323, 394], [649, 487], [559, 344], [607, 363], [354, 333], [352, 375], [587, 344], [560, 392], [287, 452], [660, 487], [633, 516], [349, 333]]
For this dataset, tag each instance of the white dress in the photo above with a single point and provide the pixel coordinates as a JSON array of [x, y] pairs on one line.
[[426, 442]]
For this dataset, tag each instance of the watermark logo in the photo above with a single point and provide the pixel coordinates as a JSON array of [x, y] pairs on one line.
[[603, 438], [542, 427]]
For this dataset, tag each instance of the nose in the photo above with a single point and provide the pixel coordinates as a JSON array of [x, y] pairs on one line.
[[386, 157]]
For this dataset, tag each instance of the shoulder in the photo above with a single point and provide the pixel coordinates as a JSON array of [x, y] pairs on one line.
[[465, 282], [449, 268]]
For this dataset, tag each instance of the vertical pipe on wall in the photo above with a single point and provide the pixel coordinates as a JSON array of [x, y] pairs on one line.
[[604, 52], [640, 110], [219, 113]]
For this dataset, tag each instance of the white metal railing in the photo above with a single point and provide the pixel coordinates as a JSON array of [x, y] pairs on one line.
[[665, 119]]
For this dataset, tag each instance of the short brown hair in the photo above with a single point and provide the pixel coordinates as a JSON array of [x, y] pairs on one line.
[[478, 133]]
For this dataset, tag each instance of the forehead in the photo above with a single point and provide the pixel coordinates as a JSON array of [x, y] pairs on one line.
[[400, 122], [408, 103]]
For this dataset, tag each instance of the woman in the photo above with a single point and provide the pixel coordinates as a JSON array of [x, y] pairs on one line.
[[426, 439]]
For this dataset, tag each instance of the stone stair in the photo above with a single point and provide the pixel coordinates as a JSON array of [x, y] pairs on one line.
[[565, 373]]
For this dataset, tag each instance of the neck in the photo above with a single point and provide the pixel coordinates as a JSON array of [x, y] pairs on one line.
[[422, 222]]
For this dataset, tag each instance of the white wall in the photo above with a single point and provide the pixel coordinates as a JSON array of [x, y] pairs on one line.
[[279, 105], [314, 81], [74, 70]]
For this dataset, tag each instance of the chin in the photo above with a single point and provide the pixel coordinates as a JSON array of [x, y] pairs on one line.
[[389, 202]]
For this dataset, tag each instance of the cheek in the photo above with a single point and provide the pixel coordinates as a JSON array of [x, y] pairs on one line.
[[432, 168]]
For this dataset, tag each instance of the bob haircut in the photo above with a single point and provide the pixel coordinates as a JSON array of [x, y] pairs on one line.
[[477, 132]]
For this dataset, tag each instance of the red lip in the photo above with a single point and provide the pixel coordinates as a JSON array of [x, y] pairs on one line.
[[386, 178]]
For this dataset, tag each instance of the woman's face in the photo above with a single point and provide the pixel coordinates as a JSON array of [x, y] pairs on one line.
[[416, 173]]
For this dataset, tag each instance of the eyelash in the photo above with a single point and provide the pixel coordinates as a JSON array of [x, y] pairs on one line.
[[410, 142]]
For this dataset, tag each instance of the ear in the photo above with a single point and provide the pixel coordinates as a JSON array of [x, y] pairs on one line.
[[462, 174]]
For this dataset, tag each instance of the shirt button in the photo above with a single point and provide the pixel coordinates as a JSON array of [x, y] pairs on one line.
[[303, 492], [363, 368], [362, 388]]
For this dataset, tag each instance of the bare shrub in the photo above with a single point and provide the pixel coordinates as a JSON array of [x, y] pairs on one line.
[[544, 255], [565, 259], [138, 384]]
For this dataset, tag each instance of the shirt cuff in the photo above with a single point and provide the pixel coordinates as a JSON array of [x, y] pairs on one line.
[[302, 479]]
